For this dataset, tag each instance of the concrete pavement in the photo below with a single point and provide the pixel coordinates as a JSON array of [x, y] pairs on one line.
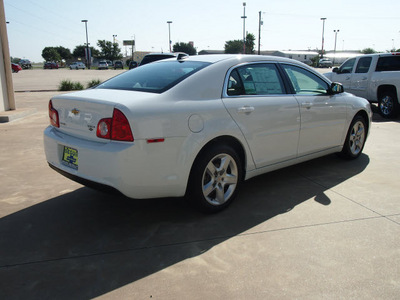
[[325, 229]]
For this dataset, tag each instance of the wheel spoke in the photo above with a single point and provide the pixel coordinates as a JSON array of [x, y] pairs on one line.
[[220, 195], [209, 187]]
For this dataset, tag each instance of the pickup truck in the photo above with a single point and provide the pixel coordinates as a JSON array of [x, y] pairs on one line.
[[375, 77]]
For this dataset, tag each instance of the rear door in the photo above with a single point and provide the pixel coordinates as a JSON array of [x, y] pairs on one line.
[[360, 77], [255, 96]]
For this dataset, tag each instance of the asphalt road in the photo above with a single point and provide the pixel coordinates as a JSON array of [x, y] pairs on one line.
[[324, 229]]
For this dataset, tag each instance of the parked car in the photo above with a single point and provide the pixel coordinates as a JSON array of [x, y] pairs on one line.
[[133, 64], [118, 65], [325, 63], [50, 65], [25, 64], [77, 65], [375, 77], [102, 65], [109, 63], [159, 56], [200, 126], [15, 68]]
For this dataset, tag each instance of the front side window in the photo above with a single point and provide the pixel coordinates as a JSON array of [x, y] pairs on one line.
[[255, 79], [304, 82], [347, 66], [363, 64]]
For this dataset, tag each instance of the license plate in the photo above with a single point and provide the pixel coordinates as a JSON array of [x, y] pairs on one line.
[[70, 158]]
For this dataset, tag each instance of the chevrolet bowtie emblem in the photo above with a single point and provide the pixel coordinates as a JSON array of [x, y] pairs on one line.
[[75, 111]]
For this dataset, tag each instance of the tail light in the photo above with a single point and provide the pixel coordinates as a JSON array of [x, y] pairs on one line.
[[53, 115], [116, 128]]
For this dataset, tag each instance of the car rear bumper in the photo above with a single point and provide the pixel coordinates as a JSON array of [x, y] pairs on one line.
[[137, 170]]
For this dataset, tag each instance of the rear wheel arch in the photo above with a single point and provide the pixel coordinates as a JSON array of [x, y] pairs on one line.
[[229, 141], [388, 101], [224, 146]]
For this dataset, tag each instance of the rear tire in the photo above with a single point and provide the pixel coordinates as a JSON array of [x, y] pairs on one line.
[[355, 139], [388, 105], [215, 179]]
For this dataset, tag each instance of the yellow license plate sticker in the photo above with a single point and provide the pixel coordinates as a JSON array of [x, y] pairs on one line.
[[70, 158]]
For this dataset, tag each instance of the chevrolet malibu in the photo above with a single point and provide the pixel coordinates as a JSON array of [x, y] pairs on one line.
[[199, 126]]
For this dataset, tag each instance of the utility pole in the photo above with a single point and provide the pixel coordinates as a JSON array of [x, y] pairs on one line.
[[323, 29], [260, 22]]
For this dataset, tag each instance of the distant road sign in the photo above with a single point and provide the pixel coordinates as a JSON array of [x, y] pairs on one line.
[[129, 43]]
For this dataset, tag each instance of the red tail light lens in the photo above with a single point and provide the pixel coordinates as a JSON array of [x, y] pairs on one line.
[[53, 115], [116, 128]]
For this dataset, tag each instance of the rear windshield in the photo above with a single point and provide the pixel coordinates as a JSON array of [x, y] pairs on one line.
[[154, 78]]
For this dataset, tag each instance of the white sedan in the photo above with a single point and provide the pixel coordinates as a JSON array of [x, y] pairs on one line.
[[199, 126]]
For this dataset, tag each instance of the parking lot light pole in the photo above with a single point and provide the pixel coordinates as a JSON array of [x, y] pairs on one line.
[[244, 27], [334, 51], [169, 35], [323, 29], [87, 45]]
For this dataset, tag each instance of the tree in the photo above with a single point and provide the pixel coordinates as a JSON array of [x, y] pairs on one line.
[[184, 47], [15, 60], [65, 53], [109, 50], [236, 46], [250, 38], [51, 54], [79, 51], [368, 51]]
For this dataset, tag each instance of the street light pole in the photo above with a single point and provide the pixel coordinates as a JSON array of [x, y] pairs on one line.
[[244, 27], [323, 29], [169, 35], [87, 45], [334, 51], [259, 31]]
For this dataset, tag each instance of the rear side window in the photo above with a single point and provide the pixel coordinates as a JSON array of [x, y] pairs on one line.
[[363, 64], [255, 79], [388, 63]]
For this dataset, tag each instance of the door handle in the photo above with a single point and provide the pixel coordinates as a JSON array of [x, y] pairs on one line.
[[245, 109], [306, 105]]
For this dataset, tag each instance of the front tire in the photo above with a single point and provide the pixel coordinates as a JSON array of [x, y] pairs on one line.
[[388, 105], [215, 179], [355, 139]]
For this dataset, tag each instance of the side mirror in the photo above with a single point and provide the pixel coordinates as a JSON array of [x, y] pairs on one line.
[[335, 70], [336, 88]]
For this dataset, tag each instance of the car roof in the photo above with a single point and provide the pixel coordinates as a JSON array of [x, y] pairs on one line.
[[213, 58]]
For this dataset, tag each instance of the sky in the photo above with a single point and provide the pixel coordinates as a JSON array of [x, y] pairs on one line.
[[287, 24]]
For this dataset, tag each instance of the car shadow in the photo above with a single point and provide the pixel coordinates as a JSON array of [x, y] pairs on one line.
[[86, 243]]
